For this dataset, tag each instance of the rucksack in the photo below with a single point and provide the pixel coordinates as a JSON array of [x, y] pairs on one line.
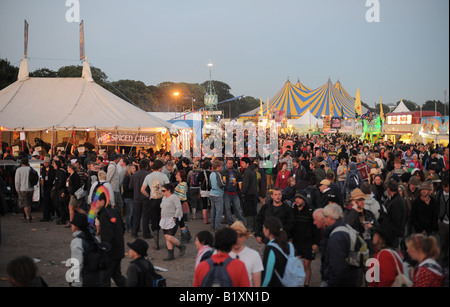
[[353, 181], [359, 251], [149, 278], [217, 275], [309, 198], [96, 255], [294, 272], [33, 177], [194, 179]]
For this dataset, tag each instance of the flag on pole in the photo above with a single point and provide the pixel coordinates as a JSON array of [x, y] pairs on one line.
[[260, 108], [381, 110], [82, 54], [25, 44], [358, 104]]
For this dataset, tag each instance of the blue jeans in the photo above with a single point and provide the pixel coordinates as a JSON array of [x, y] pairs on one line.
[[216, 211], [232, 201], [128, 204]]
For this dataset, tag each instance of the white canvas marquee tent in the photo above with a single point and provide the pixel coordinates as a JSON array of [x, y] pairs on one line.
[[306, 122], [39, 104]]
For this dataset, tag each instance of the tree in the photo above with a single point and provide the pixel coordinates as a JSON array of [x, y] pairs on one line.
[[386, 108], [221, 89], [44, 73], [133, 91], [8, 73], [431, 105], [75, 71]]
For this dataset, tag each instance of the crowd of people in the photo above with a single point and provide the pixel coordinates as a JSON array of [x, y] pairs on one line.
[[322, 194]]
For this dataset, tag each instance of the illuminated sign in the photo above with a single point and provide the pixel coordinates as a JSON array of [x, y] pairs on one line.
[[399, 119]]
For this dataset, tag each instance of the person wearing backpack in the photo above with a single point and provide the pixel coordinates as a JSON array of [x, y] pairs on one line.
[[277, 255], [23, 188], [194, 188], [79, 246], [337, 247], [205, 187], [141, 272], [353, 179], [220, 270]]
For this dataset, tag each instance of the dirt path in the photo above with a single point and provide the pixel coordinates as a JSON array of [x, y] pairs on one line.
[[50, 244]]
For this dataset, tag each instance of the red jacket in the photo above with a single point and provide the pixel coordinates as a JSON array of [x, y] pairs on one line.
[[281, 182], [235, 268], [388, 269]]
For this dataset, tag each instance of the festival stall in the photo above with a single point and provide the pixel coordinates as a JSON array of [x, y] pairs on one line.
[[62, 112], [406, 126], [435, 129]]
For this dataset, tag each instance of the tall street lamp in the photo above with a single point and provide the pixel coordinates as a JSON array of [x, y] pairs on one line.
[[176, 94]]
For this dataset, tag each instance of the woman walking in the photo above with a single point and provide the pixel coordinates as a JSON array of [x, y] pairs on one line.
[[171, 215]]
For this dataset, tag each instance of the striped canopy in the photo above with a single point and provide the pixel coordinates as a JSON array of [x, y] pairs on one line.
[[327, 100], [303, 87], [343, 92], [291, 99], [295, 100]]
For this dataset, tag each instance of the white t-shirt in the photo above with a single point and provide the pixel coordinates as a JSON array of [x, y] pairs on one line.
[[252, 260], [148, 182]]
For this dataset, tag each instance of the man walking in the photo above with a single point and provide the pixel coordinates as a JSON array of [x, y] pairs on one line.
[[113, 177], [140, 206], [24, 191], [250, 192], [154, 181], [231, 196]]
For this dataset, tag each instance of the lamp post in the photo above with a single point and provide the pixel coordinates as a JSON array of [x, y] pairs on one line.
[[176, 94]]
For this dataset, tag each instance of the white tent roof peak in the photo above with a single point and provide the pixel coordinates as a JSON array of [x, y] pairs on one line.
[[24, 73], [401, 108], [87, 71]]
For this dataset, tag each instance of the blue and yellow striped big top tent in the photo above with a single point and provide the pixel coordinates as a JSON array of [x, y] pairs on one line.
[[327, 100]]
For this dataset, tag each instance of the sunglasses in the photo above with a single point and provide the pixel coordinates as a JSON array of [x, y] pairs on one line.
[[163, 191]]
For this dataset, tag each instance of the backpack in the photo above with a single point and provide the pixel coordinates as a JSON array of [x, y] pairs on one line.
[[33, 177], [149, 278], [155, 190], [353, 181], [217, 275], [95, 255], [309, 198], [194, 180], [359, 251], [294, 272]]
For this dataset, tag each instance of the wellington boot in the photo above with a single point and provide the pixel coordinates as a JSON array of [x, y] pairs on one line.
[[170, 255]]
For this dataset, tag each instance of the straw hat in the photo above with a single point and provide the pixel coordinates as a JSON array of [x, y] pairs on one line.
[[358, 194], [375, 171], [239, 227]]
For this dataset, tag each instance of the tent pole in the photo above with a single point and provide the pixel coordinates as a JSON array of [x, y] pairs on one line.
[[53, 142]]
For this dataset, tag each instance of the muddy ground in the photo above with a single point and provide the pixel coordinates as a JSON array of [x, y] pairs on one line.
[[49, 244]]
